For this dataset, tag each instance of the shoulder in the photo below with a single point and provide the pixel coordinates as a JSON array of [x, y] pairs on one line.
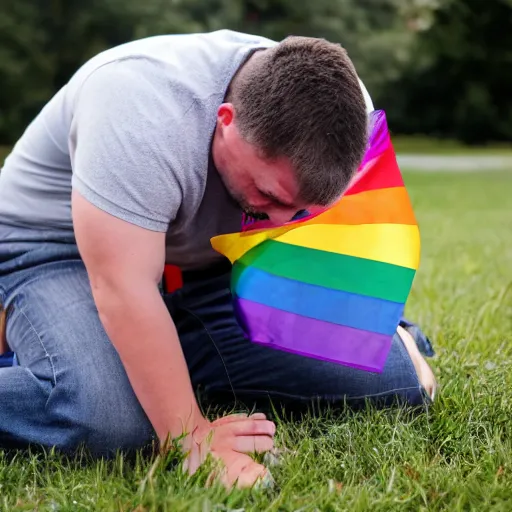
[[131, 81]]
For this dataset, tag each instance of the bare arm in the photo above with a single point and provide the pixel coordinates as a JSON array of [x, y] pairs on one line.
[[125, 264], [125, 193]]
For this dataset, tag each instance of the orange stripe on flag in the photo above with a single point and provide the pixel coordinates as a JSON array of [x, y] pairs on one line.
[[381, 206]]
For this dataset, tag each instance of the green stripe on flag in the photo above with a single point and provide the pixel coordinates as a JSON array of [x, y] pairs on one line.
[[331, 270]]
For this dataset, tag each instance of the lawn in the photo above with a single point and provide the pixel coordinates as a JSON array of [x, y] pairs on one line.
[[415, 144], [458, 456]]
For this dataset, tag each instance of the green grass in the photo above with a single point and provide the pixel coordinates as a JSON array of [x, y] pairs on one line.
[[404, 144], [458, 456]]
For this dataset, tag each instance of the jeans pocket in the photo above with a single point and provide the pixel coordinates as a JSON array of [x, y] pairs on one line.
[[24, 340]]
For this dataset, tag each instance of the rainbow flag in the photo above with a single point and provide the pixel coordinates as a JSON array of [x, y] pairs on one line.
[[333, 286]]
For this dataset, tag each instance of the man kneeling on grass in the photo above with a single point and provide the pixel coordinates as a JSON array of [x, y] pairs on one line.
[[151, 149]]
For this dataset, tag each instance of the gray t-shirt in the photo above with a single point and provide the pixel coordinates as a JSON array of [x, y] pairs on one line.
[[131, 131]]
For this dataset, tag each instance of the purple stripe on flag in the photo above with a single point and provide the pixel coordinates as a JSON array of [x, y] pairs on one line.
[[313, 338]]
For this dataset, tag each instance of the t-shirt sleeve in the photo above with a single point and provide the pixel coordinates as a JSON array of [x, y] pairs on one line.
[[123, 130], [367, 98]]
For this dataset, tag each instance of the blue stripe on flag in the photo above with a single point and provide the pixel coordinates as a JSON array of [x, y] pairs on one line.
[[335, 306]]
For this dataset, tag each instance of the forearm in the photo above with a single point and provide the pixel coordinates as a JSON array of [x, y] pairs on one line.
[[141, 329]]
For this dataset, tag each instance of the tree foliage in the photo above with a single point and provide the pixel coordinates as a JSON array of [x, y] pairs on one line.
[[413, 55], [459, 84]]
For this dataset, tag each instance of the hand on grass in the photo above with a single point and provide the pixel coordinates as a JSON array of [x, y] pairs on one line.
[[230, 439]]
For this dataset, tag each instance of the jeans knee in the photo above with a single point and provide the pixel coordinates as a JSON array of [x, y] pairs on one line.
[[102, 420], [107, 434]]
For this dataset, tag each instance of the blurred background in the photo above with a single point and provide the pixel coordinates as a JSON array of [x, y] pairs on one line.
[[442, 69]]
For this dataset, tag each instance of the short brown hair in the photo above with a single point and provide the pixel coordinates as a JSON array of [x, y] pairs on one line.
[[301, 99]]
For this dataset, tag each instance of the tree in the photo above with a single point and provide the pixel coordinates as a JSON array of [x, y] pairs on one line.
[[459, 86], [43, 42], [24, 66]]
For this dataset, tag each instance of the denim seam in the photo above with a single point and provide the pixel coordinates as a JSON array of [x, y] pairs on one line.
[[22, 312], [348, 398], [384, 393], [216, 348]]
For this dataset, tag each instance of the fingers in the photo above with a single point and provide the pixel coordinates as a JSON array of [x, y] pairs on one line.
[[238, 417], [258, 416], [244, 435], [193, 460], [244, 444], [251, 475], [253, 444], [240, 470], [233, 437], [251, 427], [196, 455]]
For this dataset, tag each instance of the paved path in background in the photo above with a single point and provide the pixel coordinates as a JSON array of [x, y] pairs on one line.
[[455, 163]]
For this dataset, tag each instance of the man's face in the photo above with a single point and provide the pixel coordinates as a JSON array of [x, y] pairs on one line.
[[263, 188]]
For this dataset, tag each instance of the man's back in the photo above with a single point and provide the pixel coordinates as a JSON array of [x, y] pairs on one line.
[[150, 166]]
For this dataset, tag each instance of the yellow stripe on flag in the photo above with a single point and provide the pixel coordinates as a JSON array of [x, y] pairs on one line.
[[235, 245], [397, 244]]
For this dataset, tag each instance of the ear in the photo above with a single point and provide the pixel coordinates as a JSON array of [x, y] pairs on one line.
[[226, 114]]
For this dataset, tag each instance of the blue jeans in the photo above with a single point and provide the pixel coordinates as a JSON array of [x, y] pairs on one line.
[[70, 388]]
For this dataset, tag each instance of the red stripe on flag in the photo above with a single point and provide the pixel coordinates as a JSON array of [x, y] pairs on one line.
[[382, 172]]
